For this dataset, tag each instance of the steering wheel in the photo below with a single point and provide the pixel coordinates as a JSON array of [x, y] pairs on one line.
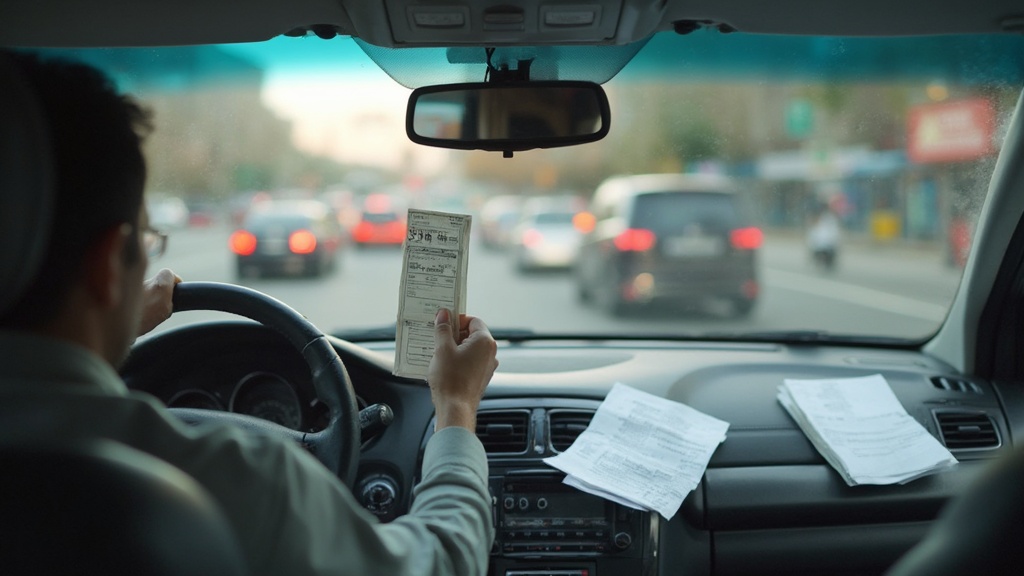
[[336, 446]]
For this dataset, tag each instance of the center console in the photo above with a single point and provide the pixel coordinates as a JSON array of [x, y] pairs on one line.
[[545, 527]]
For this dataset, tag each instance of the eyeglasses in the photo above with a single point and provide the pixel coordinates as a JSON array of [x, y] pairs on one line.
[[154, 242]]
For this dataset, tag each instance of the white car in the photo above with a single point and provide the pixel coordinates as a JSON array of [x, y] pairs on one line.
[[167, 213]]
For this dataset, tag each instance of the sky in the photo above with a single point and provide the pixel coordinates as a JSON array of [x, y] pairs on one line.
[[340, 104]]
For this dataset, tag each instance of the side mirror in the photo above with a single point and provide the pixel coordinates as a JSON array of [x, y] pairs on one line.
[[508, 117]]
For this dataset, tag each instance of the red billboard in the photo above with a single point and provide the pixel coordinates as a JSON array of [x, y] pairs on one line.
[[950, 131]]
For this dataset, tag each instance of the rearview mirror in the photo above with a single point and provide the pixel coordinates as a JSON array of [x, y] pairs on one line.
[[507, 117]]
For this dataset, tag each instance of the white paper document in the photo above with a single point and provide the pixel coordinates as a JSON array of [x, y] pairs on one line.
[[434, 265], [642, 451], [863, 431]]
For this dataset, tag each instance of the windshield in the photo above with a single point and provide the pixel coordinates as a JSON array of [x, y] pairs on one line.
[[848, 179]]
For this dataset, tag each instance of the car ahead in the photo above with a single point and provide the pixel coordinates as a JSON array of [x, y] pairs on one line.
[[498, 216], [547, 236], [168, 212], [379, 228], [907, 117], [294, 237], [669, 239], [546, 240]]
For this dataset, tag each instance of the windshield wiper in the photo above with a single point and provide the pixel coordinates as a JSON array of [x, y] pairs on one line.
[[514, 335], [801, 336], [805, 337]]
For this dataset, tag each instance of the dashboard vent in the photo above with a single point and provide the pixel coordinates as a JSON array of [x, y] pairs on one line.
[[967, 430], [955, 384], [566, 426], [503, 432]]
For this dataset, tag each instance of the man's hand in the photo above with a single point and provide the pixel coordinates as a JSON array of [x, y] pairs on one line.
[[463, 364], [156, 299]]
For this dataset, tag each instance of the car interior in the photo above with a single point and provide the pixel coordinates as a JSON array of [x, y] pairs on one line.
[[768, 501]]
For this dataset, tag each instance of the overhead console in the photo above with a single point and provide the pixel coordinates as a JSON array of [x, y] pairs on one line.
[[526, 22]]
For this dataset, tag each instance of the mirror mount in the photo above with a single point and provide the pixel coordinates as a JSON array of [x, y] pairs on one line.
[[503, 75]]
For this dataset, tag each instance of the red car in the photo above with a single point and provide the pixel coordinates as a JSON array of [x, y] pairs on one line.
[[385, 228]]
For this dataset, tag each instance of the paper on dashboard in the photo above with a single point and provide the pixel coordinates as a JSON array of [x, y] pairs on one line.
[[861, 428], [642, 451], [434, 264]]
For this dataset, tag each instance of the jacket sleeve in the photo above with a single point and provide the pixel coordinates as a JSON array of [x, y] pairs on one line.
[[293, 517]]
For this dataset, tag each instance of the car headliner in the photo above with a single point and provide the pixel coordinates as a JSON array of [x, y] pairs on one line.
[[163, 23]]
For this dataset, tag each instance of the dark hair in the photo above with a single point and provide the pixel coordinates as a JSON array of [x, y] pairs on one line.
[[95, 136]]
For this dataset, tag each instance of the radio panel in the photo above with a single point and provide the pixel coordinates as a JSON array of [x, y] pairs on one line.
[[536, 515]]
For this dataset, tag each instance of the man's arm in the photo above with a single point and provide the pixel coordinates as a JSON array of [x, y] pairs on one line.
[[451, 515], [449, 529], [464, 361], [293, 517]]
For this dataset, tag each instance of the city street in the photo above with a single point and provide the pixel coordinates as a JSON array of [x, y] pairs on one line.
[[874, 290]]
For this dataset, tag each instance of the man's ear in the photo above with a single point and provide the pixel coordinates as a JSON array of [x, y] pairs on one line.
[[104, 268]]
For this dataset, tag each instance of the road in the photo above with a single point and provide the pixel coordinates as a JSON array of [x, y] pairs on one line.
[[874, 290]]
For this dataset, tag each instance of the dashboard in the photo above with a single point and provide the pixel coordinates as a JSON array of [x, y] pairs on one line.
[[767, 498]]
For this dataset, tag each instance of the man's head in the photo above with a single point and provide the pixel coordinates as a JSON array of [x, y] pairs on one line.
[[92, 273]]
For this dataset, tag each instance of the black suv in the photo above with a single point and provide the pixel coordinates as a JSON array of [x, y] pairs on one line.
[[669, 238]]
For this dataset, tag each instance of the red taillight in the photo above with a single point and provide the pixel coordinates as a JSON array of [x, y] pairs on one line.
[[635, 240], [302, 242], [750, 289], [532, 237], [746, 238], [242, 243], [363, 232]]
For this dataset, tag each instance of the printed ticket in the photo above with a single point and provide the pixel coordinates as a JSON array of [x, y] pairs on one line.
[[434, 264]]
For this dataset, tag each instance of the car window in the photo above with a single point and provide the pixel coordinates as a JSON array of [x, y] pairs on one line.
[[895, 139], [380, 217], [554, 218], [278, 220], [669, 212]]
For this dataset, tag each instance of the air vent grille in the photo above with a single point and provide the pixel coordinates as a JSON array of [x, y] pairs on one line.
[[504, 432], [967, 430], [955, 384], [566, 426]]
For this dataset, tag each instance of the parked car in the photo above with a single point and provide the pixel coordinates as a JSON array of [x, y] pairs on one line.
[[679, 239], [295, 237], [547, 237]]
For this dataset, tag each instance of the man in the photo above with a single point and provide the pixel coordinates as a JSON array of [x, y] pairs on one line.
[[59, 345]]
